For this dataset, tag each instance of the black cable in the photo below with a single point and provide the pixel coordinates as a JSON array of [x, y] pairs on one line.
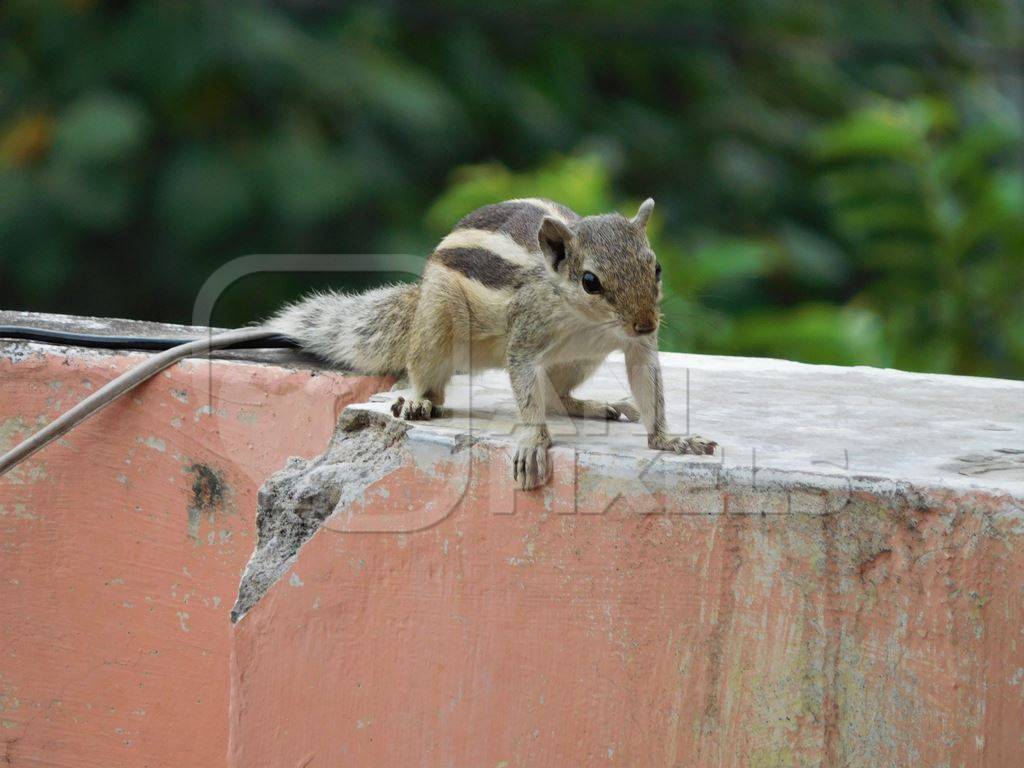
[[97, 341]]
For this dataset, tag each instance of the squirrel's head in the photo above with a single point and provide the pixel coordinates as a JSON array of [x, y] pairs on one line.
[[611, 275]]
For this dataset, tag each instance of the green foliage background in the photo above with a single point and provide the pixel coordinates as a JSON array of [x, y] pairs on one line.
[[836, 182]]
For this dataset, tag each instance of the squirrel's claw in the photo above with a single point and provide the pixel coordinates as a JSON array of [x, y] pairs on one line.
[[414, 409], [626, 409]]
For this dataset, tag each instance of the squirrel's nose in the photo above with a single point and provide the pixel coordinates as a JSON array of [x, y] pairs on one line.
[[643, 328]]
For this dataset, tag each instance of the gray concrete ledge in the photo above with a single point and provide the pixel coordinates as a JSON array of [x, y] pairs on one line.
[[776, 421]]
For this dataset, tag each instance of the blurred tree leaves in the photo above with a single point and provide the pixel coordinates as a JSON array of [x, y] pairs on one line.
[[200, 196], [99, 128], [924, 196], [581, 182], [833, 185]]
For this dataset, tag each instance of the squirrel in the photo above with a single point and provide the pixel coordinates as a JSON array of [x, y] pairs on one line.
[[526, 285]]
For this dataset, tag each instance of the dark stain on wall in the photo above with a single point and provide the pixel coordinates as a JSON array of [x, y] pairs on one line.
[[209, 492]]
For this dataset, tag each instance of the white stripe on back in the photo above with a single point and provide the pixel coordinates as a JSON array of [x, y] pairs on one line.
[[498, 243]]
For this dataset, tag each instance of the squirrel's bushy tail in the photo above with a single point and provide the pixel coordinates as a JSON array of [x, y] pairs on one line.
[[363, 332]]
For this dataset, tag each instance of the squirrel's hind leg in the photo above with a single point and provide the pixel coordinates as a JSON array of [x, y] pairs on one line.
[[565, 377], [429, 362]]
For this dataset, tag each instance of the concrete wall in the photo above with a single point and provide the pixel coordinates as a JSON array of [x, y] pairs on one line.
[[845, 586]]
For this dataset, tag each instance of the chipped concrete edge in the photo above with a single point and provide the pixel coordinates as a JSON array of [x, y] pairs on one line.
[[294, 502]]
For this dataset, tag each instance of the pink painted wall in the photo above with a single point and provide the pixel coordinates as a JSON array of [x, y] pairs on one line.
[[122, 545], [831, 631]]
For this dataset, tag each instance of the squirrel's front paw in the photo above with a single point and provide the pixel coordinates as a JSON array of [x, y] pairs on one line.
[[530, 462], [693, 444], [414, 409]]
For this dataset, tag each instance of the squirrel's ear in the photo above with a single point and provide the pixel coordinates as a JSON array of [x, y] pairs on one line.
[[554, 237], [640, 220]]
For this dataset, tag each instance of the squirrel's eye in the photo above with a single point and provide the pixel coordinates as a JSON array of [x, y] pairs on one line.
[[657, 271], [590, 283]]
